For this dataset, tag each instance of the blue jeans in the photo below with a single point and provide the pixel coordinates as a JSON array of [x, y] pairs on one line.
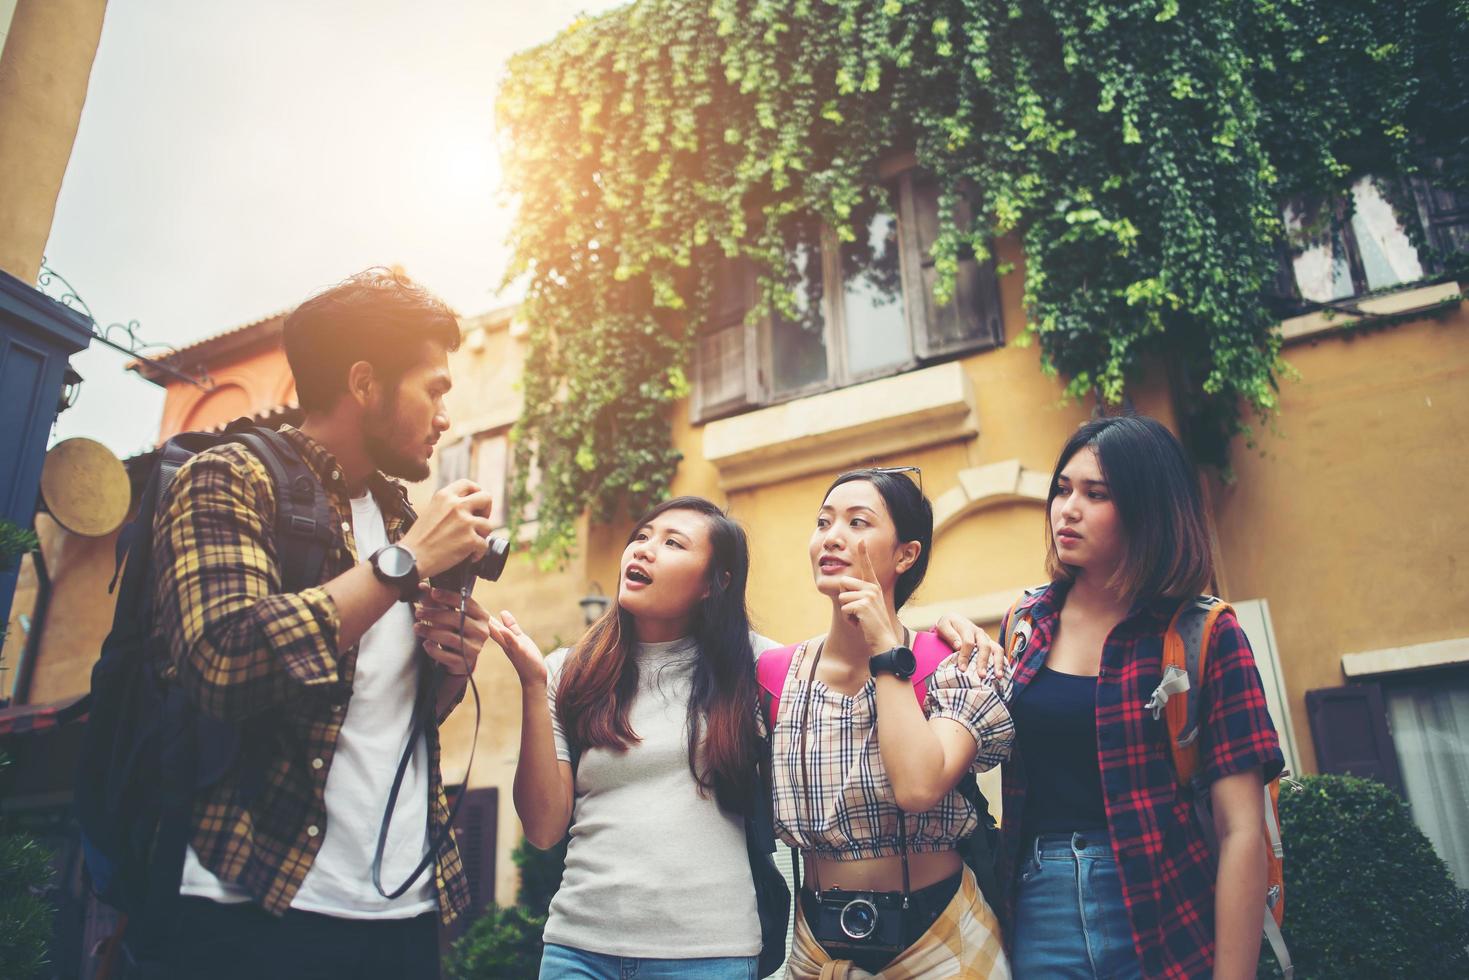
[[1071, 921], [570, 963]]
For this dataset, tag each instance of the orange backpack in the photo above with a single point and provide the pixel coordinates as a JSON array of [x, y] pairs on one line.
[[1185, 652]]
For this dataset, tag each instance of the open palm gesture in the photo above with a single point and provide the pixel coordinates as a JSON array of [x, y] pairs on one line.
[[519, 648]]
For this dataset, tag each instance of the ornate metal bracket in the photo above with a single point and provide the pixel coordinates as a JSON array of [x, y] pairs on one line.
[[122, 337]]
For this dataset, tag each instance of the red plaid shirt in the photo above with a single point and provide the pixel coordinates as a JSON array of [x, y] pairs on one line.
[[1167, 870]]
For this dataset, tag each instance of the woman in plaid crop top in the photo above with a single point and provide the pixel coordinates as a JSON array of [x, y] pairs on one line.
[[866, 777]]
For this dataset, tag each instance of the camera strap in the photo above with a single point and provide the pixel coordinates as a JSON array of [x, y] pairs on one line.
[[423, 716], [806, 778]]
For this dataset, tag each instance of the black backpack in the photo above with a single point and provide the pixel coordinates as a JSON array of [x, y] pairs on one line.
[[147, 750]]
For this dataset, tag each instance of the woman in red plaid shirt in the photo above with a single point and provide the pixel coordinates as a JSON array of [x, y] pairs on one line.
[[1112, 876]]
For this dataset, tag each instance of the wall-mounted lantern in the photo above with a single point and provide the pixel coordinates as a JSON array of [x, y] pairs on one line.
[[594, 604]]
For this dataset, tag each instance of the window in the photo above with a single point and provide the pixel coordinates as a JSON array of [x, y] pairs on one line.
[[1360, 243], [1430, 731], [1410, 731], [485, 458], [863, 309]]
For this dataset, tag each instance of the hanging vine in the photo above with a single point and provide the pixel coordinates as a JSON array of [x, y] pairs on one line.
[[1138, 151]]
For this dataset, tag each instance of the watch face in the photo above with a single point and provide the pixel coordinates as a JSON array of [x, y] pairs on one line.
[[905, 661], [395, 562]]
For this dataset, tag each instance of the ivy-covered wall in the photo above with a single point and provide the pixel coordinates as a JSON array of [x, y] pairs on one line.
[[1138, 151]]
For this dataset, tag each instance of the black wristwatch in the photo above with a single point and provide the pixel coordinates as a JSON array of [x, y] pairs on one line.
[[396, 566], [899, 661]]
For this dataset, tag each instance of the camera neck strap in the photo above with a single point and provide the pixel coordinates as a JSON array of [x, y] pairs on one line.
[[806, 775], [424, 716]]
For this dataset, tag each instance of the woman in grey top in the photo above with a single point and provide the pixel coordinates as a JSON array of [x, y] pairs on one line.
[[656, 705], [642, 740]]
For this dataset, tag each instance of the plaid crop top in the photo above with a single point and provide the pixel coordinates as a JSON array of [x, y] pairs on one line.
[[848, 811]]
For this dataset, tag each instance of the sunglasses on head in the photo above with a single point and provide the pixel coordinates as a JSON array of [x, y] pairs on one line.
[[912, 472]]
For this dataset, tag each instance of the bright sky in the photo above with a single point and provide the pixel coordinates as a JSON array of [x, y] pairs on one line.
[[234, 158]]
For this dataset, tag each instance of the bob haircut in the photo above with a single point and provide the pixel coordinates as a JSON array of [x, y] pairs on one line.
[[600, 678], [1167, 551], [379, 316], [912, 515]]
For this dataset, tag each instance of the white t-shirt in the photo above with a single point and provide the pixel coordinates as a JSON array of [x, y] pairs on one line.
[[653, 869], [377, 726]]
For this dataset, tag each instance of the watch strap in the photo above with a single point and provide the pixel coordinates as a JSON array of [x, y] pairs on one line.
[[892, 662]]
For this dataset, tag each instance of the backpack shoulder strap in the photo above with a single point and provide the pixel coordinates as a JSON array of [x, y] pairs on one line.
[[771, 668], [930, 651], [1186, 652], [303, 515], [1016, 627]]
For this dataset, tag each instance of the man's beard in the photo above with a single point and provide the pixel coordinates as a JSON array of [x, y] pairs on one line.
[[379, 433]]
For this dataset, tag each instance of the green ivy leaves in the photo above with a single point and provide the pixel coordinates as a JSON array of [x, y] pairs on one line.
[[1138, 150]]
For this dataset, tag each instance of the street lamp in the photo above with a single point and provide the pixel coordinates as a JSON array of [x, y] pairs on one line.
[[594, 604]]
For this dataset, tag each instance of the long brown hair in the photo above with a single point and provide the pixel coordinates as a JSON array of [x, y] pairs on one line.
[[1167, 552], [600, 678]]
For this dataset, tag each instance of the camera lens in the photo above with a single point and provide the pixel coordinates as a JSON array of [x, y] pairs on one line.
[[492, 565], [859, 918]]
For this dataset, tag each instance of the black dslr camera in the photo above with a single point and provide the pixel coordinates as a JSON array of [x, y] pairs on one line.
[[461, 577], [867, 921]]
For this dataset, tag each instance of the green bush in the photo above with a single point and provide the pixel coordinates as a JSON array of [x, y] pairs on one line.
[[14, 542], [540, 874], [25, 917], [1366, 896], [503, 944]]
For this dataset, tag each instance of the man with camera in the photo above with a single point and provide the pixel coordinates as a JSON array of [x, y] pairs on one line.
[[330, 685]]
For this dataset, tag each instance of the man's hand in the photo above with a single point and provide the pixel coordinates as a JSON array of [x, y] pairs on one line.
[[973, 645], [437, 626], [454, 526]]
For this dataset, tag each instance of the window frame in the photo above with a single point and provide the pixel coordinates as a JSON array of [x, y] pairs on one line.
[[919, 316], [1415, 198]]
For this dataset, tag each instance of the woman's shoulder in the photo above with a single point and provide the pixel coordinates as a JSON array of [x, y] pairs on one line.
[[759, 644], [556, 662]]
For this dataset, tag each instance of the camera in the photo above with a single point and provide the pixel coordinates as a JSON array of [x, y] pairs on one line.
[[871, 921], [461, 577]]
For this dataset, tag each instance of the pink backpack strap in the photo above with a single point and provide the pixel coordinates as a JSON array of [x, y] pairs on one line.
[[930, 651], [771, 668]]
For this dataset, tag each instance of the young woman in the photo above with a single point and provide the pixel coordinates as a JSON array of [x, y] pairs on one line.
[[866, 778], [1112, 876], [643, 740]]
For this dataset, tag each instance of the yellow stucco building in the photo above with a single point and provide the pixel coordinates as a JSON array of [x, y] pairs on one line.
[[1336, 538], [1338, 541]]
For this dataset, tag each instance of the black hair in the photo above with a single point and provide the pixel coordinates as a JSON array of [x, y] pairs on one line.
[[912, 515], [1153, 486], [379, 316], [601, 677]]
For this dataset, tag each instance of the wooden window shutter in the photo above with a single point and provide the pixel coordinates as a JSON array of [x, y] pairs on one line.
[[1445, 217], [475, 831], [724, 369], [1349, 730], [971, 319], [454, 462], [722, 372]]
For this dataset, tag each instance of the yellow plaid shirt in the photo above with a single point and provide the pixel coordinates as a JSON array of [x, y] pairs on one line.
[[246, 652]]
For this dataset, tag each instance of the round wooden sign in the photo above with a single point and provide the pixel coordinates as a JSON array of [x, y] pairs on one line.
[[85, 487]]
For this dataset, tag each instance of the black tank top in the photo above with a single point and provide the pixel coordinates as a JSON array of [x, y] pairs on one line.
[[1056, 723]]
